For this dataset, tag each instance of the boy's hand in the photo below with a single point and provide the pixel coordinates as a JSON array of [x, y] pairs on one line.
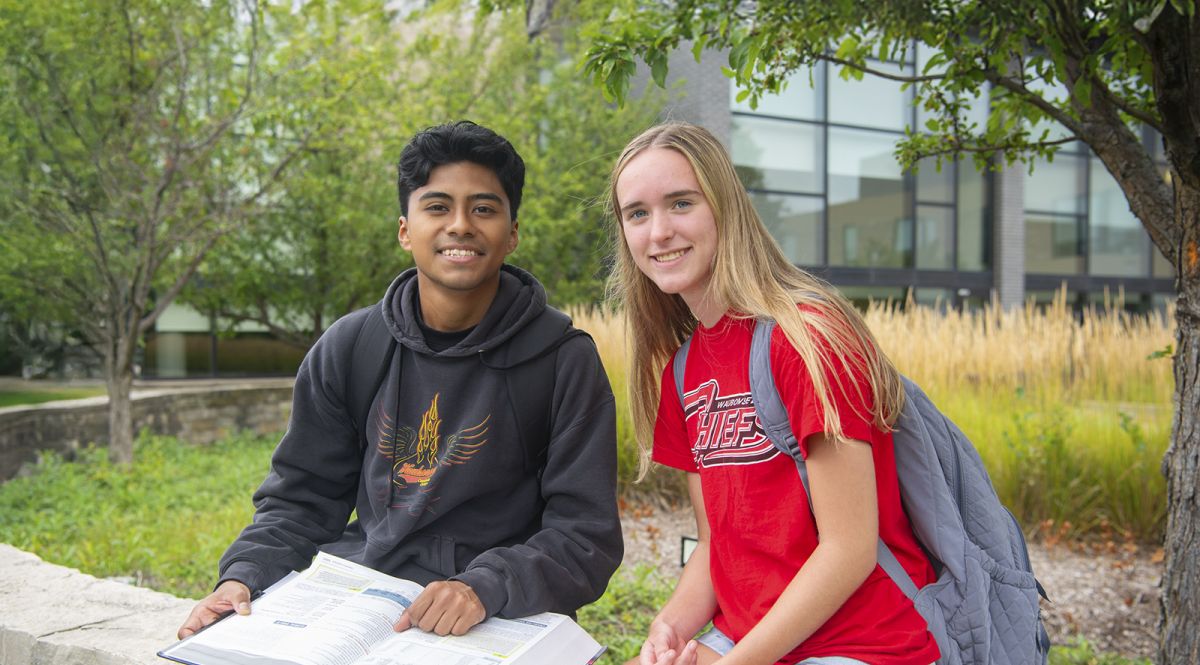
[[444, 608], [231, 596]]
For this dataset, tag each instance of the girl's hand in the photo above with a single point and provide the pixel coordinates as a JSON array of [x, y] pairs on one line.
[[664, 646]]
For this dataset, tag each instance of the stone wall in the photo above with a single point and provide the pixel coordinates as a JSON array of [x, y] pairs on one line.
[[194, 413], [53, 614]]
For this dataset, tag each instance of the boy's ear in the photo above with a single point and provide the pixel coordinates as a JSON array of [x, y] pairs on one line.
[[402, 233], [513, 239]]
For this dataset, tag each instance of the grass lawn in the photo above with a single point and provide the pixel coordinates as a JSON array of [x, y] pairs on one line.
[[165, 521], [38, 396]]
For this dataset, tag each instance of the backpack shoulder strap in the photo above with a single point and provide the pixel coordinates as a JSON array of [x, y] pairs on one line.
[[369, 361], [531, 374], [773, 417], [678, 364]]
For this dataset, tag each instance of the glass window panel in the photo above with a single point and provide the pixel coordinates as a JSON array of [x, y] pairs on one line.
[[934, 186], [973, 302], [802, 97], [873, 101], [977, 108], [935, 230], [868, 220], [178, 355], [166, 356], [974, 232], [976, 112], [941, 299], [862, 296], [1044, 299], [924, 54], [1157, 151], [1106, 300], [1118, 243], [1052, 245], [1056, 187], [1055, 93], [795, 222], [1162, 267], [778, 154]]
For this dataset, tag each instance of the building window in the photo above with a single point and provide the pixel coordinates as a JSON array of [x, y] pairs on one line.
[[819, 162], [935, 237], [874, 101], [869, 223], [778, 155], [802, 98], [1056, 215], [1056, 187], [974, 230], [1052, 244], [1162, 267], [1117, 243], [795, 222]]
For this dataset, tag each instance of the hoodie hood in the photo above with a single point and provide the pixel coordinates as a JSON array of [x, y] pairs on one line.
[[519, 300]]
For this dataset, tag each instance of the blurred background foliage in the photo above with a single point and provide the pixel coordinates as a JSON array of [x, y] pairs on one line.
[[325, 244]]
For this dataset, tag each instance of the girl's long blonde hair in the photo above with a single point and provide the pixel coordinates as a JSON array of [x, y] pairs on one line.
[[752, 278]]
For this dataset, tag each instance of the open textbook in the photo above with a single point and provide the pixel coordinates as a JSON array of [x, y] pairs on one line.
[[340, 613]]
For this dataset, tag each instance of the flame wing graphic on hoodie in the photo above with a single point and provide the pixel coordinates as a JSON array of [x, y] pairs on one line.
[[416, 455]]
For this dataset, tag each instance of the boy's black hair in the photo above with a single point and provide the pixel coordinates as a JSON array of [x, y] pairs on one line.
[[460, 141]]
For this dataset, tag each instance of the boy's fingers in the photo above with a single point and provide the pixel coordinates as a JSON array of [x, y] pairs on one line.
[[403, 623]]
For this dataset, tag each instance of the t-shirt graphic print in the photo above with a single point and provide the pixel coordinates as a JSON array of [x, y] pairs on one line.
[[727, 427]]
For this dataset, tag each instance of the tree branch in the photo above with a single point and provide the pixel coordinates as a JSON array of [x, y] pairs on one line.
[[1033, 98], [959, 147], [882, 74]]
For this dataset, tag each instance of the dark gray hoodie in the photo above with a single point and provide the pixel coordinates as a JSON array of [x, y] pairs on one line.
[[444, 488]]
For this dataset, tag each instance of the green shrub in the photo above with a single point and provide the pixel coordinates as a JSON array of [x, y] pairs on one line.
[[1080, 652], [620, 619], [164, 520]]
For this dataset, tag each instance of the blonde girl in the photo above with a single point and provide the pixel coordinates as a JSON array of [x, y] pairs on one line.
[[694, 259]]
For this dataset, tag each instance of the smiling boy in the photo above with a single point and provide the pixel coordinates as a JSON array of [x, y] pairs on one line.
[[485, 467]]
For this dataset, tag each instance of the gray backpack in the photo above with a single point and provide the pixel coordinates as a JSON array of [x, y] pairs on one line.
[[983, 607]]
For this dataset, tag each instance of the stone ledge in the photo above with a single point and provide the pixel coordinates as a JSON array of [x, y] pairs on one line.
[[53, 614], [197, 413]]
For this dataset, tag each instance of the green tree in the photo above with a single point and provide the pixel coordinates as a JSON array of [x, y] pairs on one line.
[[324, 241], [136, 134], [327, 244], [1121, 63]]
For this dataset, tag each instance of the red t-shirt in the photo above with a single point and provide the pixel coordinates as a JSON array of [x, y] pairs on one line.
[[762, 529]]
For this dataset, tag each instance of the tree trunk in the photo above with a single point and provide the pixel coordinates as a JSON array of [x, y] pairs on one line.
[[118, 368], [1179, 630]]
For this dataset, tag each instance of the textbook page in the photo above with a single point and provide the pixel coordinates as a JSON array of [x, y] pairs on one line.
[[330, 614], [341, 613]]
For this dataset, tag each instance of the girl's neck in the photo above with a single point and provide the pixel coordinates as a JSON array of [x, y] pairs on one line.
[[706, 310]]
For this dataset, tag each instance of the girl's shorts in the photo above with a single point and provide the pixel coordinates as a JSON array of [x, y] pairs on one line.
[[714, 639]]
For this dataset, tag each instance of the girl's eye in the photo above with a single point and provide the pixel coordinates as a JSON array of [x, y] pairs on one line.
[[682, 204], [636, 215]]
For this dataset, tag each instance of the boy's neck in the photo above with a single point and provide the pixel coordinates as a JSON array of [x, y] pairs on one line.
[[451, 311]]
